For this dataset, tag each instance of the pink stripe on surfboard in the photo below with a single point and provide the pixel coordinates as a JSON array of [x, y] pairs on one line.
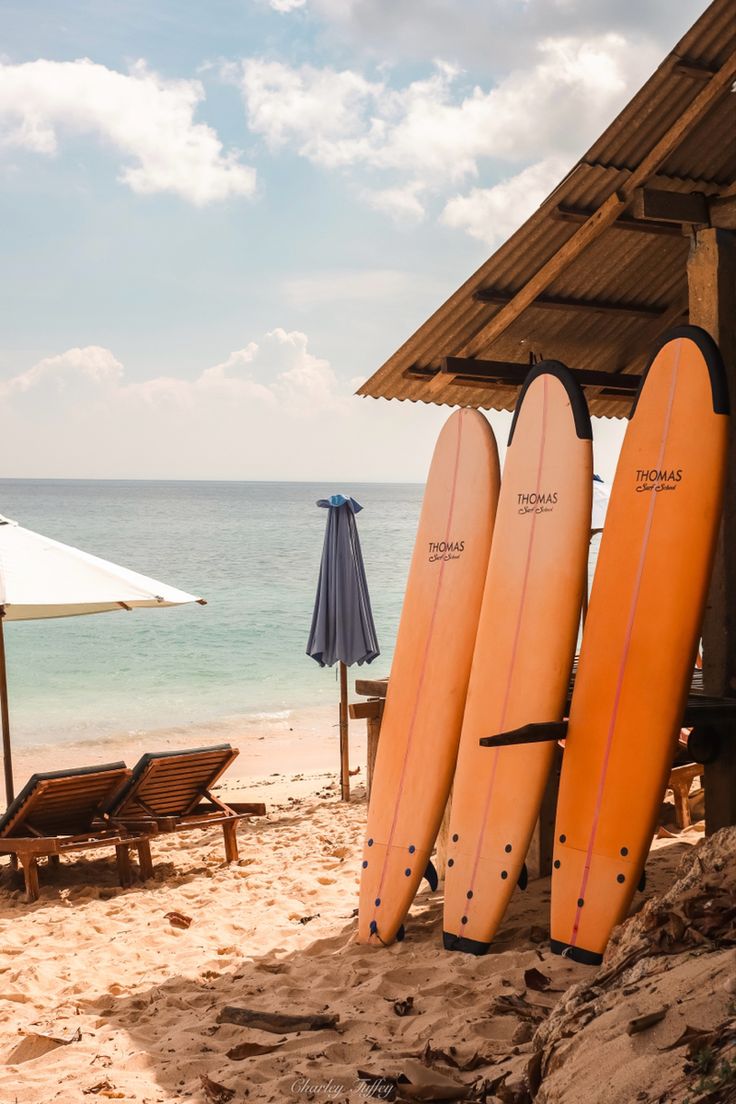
[[514, 652], [423, 669], [624, 657]]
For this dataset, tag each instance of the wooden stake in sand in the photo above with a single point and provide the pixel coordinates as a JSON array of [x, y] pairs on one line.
[[276, 1022]]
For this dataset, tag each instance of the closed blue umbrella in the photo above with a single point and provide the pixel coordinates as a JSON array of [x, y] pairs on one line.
[[342, 622]]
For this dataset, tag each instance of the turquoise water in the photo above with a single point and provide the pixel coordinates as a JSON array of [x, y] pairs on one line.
[[251, 549]]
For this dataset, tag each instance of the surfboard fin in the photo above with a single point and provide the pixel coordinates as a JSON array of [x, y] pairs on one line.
[[529, 734], [642, 882], [400, 934], [431, 875], [523, 879]]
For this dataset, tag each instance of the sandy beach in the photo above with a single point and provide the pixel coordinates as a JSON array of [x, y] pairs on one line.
[[115, 994]]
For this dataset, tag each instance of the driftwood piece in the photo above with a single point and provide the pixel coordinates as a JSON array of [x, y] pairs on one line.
[[643, 1023], [277, 1022], [249, 1050]]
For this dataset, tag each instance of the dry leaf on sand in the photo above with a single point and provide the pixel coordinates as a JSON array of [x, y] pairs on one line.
[[215, 1092], [178, 919]]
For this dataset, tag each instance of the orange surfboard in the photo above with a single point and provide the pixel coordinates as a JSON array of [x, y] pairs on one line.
[[640, 640], [429, 675], [524, 650]]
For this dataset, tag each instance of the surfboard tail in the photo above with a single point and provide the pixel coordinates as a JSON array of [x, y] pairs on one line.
[[477, 895], [591, 894], [390, 879]]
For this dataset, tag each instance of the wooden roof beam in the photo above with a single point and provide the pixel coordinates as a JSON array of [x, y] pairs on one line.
[[492, 373], [691, 67], [679, 207], [606, 214], [692, 208], [581, 214], [554, 302]]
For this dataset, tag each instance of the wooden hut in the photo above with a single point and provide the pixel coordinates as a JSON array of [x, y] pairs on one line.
[[639, 236]]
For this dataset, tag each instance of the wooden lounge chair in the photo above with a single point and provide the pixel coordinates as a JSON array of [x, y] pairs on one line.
[[171, 791], [55, 814]]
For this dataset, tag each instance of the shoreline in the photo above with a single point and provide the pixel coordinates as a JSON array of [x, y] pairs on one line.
[[273, 748]]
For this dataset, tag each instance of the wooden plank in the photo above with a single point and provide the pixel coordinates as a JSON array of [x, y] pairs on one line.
[[692, 68], [371, 688], [494, 371], [579, 215], [561, 303], [602, 218], [248, 808], [365, 711], [278, 1022], [655, 203], [711, 282]]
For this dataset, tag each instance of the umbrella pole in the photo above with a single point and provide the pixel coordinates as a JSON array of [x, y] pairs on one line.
[[7, 759], [344, 760]]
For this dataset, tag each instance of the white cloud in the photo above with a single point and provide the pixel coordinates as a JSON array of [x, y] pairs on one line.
[[284, 6], [436, 133], [270, 410], [401, 203], [496, 33], [93, 364], [144, 117], [277, 371], [321, 112], [492, 214], [433, 127]]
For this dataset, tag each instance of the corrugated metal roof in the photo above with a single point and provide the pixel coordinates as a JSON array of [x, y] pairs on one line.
[[622, 266]]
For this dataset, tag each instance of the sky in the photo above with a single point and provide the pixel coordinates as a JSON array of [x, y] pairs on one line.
[[219, 219]]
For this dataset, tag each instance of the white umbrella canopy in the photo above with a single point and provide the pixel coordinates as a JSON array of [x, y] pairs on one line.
[[40, 578], [43, 578]]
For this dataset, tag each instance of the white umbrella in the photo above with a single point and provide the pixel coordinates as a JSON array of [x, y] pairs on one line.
[[41, 578]]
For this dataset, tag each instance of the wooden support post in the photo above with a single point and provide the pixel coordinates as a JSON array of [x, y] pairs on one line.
[[30, 875], [374, 732], [539, 857], [712, 290], [344, 751], [229, 831], [371, 712], [123, 857], [145, 862]]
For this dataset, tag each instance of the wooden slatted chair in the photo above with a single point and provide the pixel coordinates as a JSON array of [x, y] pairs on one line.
[[171, 791], [55, 813]]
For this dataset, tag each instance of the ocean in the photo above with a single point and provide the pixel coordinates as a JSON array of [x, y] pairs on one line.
[[251, 549]]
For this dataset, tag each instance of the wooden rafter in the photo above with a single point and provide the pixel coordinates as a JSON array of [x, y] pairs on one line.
[[579, 215], [666, 206], [691, 67], [563, 303], [493, 373]]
